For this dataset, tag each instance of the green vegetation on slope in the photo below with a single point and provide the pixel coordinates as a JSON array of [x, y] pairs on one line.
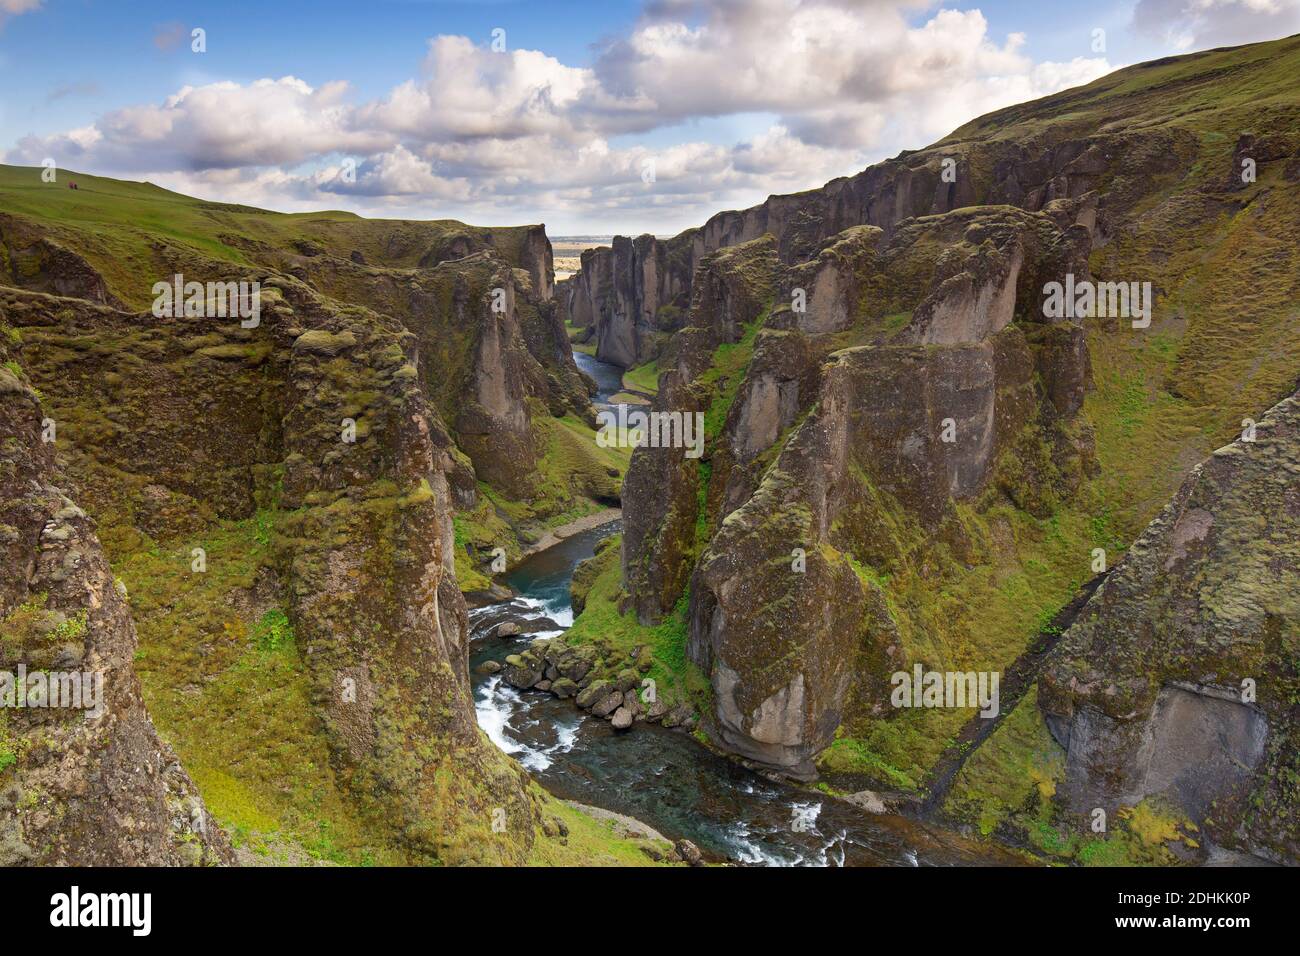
[[659, 651], [114, 224], [225, 685], [643, 378]]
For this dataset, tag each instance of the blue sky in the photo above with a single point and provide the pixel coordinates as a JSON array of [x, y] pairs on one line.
[[404, 108]]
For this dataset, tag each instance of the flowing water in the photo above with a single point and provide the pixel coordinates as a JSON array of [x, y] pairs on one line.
[[665, 777], [609, 378]]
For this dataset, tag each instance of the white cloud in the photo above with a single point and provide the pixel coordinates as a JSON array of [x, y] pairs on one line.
[[220, 125], [520, 135], [1186, 25]]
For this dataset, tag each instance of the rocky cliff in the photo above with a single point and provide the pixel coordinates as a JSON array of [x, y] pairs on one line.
[[1178, 682], [280, 494], [909, 459], [869, 401], [84, 778]]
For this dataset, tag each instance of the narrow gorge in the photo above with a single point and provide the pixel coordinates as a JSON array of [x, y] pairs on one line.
[[352, 571]]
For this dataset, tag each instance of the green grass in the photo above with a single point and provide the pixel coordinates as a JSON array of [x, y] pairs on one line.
[[601, 623], [643, 378], [589, 842], [226, 686], [8, 747], [114, 224], [573, 331], [273, 632], [727, 372], [848, 755], [1016, 771]]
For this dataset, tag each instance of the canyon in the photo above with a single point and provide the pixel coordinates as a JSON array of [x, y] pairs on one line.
[[907, 462]]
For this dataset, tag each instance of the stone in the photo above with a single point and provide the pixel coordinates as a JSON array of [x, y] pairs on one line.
[[593, 693], [688, 853], [521, 671], [1186, 601], [607, 704]]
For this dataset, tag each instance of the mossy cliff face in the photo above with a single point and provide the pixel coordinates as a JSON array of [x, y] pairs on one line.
[[825, 425], [398, 372], [362, 545], [632, 294], [868, 448], [32, 260], [1179, 679], [663, 486], [76, 789]]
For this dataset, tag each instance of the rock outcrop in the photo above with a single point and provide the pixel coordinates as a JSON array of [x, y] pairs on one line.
[[632, 294], [899, 421], [1179, 680], [84, 778], [393, 370], [793, 631], [364, 561], [31, 259]]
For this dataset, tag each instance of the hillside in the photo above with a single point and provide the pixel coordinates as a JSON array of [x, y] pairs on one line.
[[291, 507], [919, 467]]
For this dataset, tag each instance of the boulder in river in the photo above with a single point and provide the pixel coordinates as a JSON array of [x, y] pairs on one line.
[[594, 693], [564, 687], [608, 704], [633, 704], [678, 716], [522, 671], [688, 852], [622, 719]]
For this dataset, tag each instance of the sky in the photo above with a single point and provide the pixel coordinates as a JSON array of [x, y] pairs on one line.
[[592, 116]]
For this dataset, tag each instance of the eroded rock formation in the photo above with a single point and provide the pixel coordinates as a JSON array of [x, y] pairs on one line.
[[84, 778], [365, 403], [1178, 681]]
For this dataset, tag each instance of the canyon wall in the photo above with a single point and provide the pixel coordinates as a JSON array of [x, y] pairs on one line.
[[84, 778], [908, 462], [302, 470], [1178, 681]]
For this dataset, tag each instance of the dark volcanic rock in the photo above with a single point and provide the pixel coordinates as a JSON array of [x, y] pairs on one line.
[[1177, 681], [89, 785]]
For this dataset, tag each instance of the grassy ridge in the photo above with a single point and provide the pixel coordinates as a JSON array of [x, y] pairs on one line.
[[115, 224]]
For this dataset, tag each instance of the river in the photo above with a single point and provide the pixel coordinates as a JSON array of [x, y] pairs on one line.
[[665, 777]]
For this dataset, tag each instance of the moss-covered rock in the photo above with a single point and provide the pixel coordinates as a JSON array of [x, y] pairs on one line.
[[85, 779], [1179, 679]]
